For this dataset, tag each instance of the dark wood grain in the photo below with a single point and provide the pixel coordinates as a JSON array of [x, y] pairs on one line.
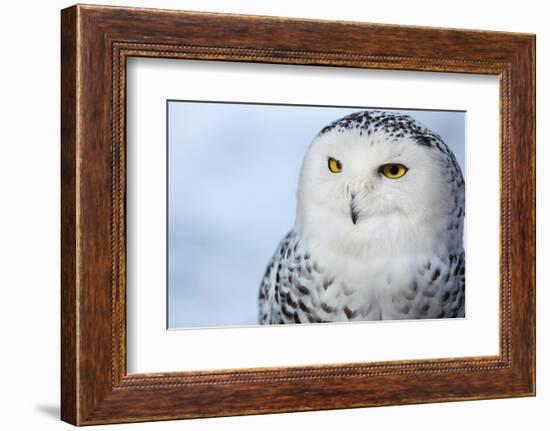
[[96, 41], [69, 367]]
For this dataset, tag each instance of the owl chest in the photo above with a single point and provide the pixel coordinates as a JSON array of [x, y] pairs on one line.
[[340, 290], [367, 291], [312, 286]]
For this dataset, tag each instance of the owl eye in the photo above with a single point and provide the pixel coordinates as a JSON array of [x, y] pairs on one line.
[[334, 165], [393, 170]]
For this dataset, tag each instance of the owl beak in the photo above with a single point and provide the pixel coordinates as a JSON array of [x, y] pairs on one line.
[[354, 212]]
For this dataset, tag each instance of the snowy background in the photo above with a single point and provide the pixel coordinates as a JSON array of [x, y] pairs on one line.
[[232, 178]]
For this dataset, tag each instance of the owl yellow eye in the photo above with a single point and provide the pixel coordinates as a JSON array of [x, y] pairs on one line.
[[334, 165], [393, 170]]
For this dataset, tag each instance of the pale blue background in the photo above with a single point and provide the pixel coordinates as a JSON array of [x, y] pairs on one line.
[[232, 177]]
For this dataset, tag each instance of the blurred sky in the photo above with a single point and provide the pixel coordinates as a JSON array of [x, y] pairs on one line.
[[232, 178]]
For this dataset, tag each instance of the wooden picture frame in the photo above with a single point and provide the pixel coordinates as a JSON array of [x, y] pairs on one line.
[[95, 43]]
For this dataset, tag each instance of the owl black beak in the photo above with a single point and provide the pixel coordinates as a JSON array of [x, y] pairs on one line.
[[354, 212]]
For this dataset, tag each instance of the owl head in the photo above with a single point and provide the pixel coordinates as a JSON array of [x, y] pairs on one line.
[[380, 182]]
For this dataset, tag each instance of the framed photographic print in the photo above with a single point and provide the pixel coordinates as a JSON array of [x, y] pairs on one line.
[[258, 208]]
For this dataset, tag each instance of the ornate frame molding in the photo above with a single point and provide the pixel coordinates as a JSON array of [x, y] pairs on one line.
[[96, 41]]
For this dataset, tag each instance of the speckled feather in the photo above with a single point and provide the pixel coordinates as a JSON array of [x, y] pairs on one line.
[[296, 289]]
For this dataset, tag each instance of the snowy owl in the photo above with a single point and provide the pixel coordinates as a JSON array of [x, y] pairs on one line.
[[378, 233]]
